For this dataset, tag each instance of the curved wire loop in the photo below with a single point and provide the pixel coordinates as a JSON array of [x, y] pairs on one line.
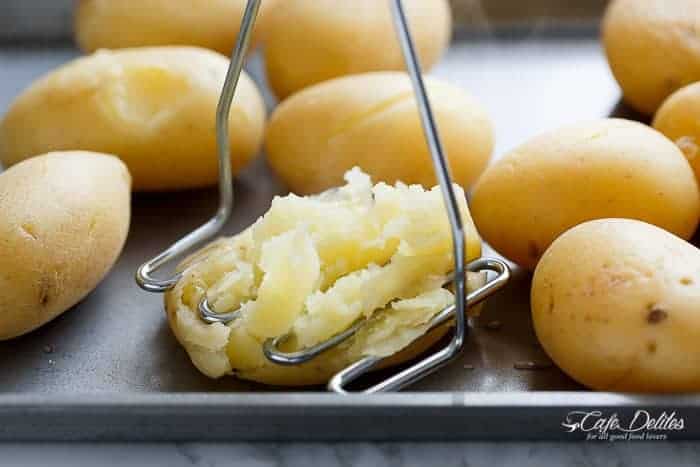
[[272, 351], [145, 274], [417, 371]]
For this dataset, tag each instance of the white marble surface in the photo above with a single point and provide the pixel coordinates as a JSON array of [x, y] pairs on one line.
[[345, 455]]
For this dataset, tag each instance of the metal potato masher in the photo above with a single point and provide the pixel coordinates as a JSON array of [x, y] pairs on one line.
[[456, 312]]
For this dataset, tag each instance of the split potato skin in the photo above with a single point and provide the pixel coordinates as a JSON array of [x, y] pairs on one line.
[[212, 24], [593, 170], [310, 41], [615, 305], [652, 47], [155, 108], [64, 218], [371, 121], [679, 119], [313, 266]]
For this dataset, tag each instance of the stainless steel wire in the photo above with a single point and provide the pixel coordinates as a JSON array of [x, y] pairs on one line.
[[442, 172], [411, 374], [271, 347], [144, 275]]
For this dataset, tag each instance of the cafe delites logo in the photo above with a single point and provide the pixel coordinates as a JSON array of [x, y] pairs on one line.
[[642, 425]]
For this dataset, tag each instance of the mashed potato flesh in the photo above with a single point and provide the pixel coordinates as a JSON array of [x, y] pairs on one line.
[[313, 266]]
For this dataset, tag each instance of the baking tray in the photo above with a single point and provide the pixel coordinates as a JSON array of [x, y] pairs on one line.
[[110, 369]]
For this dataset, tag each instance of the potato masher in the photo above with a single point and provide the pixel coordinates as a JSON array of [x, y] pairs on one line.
[[456, 312]]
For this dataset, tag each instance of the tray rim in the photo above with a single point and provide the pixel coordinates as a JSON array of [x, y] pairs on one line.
[[403, 416], [242, 400]]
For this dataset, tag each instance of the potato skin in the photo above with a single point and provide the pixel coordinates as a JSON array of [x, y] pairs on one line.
[[212, 24], [679, 119], [652, 48], [154, 108], [615, 305], [371, 121], [593, 170], [310, 41], [64, 218]]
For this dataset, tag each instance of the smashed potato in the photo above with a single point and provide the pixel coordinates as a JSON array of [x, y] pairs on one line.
[[311, 267]]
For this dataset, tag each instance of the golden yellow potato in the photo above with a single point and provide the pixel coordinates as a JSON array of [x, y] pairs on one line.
[[371, 121], [154, 108], [64, 218], [679, 119], [615, 304], [653, 48], [212, 24], [594, 170], [313, 266], [310, 41]]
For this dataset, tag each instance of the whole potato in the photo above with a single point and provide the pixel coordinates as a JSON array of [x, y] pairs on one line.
[[653, 47], [212, 24], [606, 168], [371, 121], [679, 119], [309, 41], [616, 304], [64, 218], [155, 108]]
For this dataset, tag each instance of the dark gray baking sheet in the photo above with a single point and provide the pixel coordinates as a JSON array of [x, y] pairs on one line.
[[110, 369]]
